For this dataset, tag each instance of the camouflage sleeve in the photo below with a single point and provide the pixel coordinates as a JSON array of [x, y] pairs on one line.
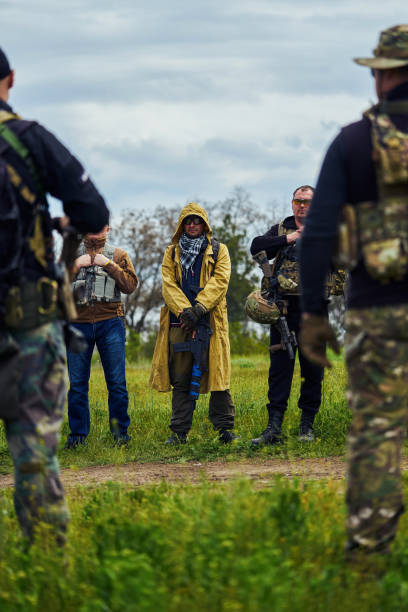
[[122, 271]]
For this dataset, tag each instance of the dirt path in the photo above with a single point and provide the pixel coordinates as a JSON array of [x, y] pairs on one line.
[[137, 474]]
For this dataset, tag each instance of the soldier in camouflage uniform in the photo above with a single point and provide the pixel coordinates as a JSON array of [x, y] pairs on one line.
[[366, 167], [32, 352]]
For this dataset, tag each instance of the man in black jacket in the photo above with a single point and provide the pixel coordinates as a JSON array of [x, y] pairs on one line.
[[366, 167], [280, 242], [32, 163]]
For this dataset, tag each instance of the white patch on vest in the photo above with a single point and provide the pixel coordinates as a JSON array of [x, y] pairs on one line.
[[365, 513], [364, 541], [386, 513], [84, 177], [353, 521], [378, 422]]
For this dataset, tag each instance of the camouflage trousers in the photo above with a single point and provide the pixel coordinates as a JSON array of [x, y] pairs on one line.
[[376, 348], [33, 435]]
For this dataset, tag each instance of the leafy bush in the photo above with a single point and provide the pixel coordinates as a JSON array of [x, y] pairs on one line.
[[246, 341], [139, 346]]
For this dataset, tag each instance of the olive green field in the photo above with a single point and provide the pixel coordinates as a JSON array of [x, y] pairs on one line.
[[208, 546], [150, 416]]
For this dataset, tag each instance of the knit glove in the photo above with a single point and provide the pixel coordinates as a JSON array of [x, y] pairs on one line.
[[190, 316], [314, 335]]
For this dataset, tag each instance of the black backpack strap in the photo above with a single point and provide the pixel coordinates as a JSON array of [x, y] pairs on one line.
[[216, 249]]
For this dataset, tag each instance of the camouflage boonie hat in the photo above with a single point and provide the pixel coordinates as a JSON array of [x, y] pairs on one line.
[[260, 310], [391, 51]]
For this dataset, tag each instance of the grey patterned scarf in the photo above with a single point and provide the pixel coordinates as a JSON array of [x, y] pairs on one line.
[[189, 249]]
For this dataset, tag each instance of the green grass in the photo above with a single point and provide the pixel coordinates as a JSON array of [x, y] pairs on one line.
[[150, 415], [208, 547]]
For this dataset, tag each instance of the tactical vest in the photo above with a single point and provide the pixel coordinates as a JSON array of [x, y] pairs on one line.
[[285, 269], [93, 284], [28, 288], [382, 226]]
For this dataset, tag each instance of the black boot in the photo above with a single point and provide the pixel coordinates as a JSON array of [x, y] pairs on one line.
[[273, 433], [176, 438], [226, 436], [306, 433], [74, 441]]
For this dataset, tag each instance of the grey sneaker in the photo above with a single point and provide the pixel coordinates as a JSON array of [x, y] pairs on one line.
[[306, 434]]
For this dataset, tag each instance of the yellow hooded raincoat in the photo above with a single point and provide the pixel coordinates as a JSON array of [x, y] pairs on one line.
[[212, 297]]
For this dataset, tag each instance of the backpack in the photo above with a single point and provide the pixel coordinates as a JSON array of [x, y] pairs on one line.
[[383, 225], [14, 191]]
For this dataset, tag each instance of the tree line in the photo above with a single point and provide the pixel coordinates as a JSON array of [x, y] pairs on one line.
[[145, 234]]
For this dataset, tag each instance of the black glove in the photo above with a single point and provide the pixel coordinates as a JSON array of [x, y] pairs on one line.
[[191, 316]]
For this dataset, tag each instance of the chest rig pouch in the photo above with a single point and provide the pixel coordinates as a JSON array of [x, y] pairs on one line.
[[383, 225], [285, 269], [93, 284]]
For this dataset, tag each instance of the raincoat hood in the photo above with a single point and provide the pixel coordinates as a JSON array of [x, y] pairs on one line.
[[192, 208]]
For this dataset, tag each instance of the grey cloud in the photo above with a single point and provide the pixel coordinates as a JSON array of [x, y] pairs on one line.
[[133, 51], [144, 172], [188, 50]]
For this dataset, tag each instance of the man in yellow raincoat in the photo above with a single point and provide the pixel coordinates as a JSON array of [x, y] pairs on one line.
[[195, 274]]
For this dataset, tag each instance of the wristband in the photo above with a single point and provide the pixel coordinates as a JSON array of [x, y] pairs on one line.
[[107, 262]]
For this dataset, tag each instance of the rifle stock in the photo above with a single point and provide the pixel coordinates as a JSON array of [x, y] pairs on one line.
[[198, 346], [64, 272], [262, 259]]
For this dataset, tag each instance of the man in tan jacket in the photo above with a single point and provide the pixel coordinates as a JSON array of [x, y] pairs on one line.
[[195, 273], [102, 273]]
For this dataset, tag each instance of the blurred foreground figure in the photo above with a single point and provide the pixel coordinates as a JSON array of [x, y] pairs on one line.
[[102, 272], [362, 194], [192, 350], [32, 352]]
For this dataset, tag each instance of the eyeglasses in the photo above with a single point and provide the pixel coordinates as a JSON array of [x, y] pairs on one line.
[[193, 220], [299, 201]]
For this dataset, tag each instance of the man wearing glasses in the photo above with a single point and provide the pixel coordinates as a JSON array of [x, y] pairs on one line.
[[280, 244], [195, 274]]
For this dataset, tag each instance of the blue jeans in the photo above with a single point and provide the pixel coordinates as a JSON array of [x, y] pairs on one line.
[[109, 337]]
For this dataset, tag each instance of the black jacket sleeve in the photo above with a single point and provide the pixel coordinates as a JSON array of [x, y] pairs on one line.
[[321, 228], [269, 242], [64, 177]]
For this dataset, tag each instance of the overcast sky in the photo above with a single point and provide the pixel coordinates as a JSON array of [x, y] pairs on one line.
[[166, 101]]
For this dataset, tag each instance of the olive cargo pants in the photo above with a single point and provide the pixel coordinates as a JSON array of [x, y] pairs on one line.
[[221, 407]]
